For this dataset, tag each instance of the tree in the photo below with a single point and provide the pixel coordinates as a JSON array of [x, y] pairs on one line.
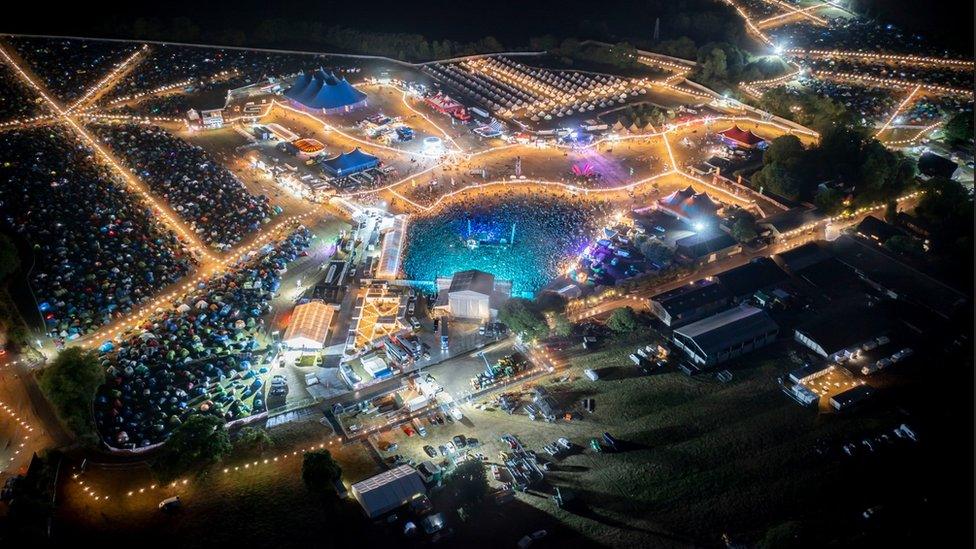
[[252, 440], [521, 316], [320, 472], [623, 320], [655, 251], [744, 228], [959, 129], [550, 302], [562, 327], [779, 179], [468, 482], [682, 47], [829, 201], [70, 383], [787, 534], [891, 211], [785, 149], [195, 445], [904, 245]]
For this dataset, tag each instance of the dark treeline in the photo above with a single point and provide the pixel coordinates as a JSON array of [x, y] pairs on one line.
[[415, 32]]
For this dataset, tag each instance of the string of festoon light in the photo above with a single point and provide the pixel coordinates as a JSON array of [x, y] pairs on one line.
[[112, 74], [941, 61], [19, 443], [914, 138], [890, 82], [170, 87]]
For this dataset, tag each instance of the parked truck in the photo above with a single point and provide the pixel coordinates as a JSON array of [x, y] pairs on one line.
[[444, 333]]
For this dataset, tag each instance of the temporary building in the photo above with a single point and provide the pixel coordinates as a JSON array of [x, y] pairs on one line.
[[309, 325], [388, 490]]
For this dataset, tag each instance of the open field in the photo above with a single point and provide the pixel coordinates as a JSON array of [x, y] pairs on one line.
[[698, 458], [259, 503]]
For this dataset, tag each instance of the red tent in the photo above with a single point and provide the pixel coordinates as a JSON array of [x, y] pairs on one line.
[[742, 137]]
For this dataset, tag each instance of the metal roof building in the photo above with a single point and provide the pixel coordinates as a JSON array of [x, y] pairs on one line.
[[690, 302], [388, 490], [745, 280], [726, 335]]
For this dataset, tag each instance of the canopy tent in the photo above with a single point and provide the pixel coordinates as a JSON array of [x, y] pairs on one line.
[[322, 91], [737, 137], [349, 163], [690, 206]]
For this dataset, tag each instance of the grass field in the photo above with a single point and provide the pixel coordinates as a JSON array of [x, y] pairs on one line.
[[260, 506], [699, 458]]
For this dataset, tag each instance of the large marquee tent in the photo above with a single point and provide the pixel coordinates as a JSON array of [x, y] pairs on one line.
[[324, 92]]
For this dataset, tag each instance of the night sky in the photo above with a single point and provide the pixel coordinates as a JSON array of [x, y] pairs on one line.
[[511, 21]]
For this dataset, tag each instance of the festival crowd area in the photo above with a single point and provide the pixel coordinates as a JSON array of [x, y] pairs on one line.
[[97, 251], [549, 230], [70, 67], [17, 101], [201, 356], [209, 198], [858, 35]]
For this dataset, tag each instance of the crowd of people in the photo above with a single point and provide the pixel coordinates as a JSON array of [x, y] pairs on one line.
[[931, 109], [550, 227], [935, 75], [213, 202], [170, 64], [868, 104], [200, 356], [854, 34], [70, 67], [758, 9], [98, 253], [16, 100]]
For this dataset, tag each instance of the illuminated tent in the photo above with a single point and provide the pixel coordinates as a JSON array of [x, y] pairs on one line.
[[309, 326], [349, 163], [738, 137], [322, 91], [689, 205]]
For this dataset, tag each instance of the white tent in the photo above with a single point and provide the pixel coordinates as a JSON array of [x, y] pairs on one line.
[[309, 325]]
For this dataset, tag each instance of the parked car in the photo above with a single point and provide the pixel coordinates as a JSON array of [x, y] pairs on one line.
[[170, 504], [408, 430], [460, 441], [430, 451]]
